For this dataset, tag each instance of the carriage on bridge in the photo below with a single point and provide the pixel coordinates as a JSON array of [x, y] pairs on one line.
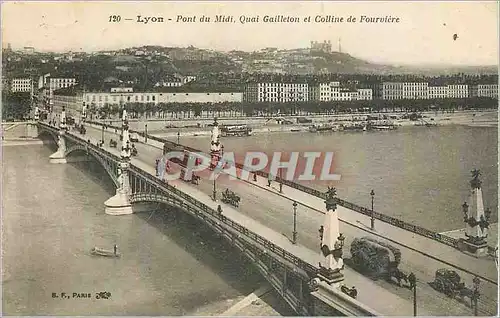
[[230, 197], [447, 281], [113, 143], [82, 130]]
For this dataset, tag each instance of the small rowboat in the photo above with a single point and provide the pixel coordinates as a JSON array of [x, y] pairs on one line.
[[103, 252]]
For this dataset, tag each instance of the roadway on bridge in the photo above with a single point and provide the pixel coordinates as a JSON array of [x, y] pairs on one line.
[[255, 204]]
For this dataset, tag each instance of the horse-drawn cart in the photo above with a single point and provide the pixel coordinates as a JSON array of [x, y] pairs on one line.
[[447, 281], [230, 197]]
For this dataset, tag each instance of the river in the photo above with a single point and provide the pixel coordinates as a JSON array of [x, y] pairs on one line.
[[418, 174], [54, 214]]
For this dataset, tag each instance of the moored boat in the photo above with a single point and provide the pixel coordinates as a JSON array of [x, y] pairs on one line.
[[238, 130], [103, 252], [323, 127]]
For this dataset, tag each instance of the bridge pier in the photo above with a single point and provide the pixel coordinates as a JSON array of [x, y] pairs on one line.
[[119, 204], [32, 130], [60, 155]]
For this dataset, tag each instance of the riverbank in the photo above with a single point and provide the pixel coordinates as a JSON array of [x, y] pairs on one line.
[[21, 142], [473, 119]]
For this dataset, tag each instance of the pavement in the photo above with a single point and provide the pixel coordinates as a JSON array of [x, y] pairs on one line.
[[262, 205]]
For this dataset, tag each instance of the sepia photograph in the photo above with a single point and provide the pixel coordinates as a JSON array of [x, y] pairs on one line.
[[246, 158]]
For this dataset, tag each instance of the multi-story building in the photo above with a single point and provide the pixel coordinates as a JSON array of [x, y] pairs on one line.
[[365, 94], [99, 99], [58, 82], [276, 92], [48, 84], [404, 90], [200, 97], [487, 90], [21, 85], [327, 91], [333, 91], [438, 92], [458, 91]]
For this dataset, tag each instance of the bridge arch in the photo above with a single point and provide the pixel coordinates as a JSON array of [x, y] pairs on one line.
[[48, 132], [107, 167], [144, 197]]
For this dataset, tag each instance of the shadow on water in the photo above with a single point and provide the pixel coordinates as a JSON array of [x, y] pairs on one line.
[[208, 248]]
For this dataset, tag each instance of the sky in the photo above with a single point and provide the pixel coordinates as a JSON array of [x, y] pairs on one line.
[[424, 34]]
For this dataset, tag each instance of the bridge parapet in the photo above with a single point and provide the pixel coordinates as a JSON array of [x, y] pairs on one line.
[[330, 301]]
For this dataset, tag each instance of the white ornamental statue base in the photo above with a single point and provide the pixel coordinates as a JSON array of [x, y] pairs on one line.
[[475, 232], [32, 130], [119, 204], [331, 263], [60, 155]]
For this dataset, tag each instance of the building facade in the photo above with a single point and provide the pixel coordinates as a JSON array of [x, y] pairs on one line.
[[276, 92], [21, 85], [458, 91], [487, 90], [438, 92], [404, 90], [365, 94]]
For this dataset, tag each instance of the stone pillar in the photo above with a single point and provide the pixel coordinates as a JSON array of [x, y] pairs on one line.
[[32, 129], [60, 155], [215, 145], [476, 220], [37, 114], [119, 204], [332, 241]]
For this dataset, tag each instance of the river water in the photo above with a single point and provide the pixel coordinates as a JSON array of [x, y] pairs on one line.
[[54, 214], [418, 174]]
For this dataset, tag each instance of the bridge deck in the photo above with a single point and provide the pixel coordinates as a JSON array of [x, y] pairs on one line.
[[254, 211]]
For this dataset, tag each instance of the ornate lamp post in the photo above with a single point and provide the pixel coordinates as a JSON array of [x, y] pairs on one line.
[[475, 293], [372, 219], [102, 133], [178, 137], [413, 285], [281, 182], [146, 132], [294, 233]]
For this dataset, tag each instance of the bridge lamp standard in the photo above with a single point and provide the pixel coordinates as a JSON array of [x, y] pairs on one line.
[[372, 218], [146, 132], [294, 233], [102, 132], [281, 181], [178, 137], [214, 191], [475, 293], [412, 279]]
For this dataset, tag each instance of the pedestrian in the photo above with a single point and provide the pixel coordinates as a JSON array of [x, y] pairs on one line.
[[321, 230], [115, 249], [254, 177], [219, 209], [269, 179], [354, 292]]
